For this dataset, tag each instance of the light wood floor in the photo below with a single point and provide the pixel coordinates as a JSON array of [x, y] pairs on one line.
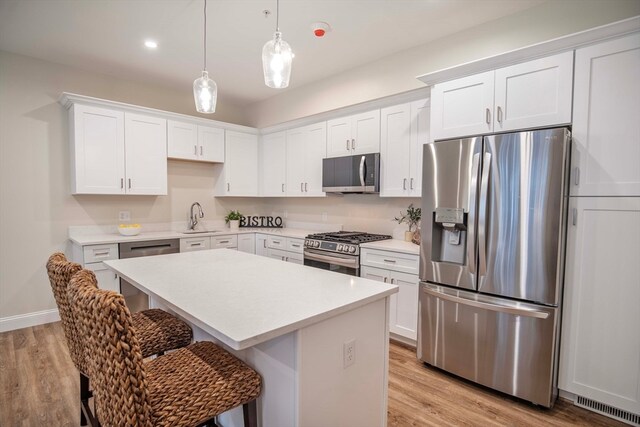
[[39, 387]]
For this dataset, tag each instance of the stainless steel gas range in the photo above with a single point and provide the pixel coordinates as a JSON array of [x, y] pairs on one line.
[[338, 251]]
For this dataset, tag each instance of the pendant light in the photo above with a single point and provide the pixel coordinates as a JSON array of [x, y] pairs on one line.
[[205, 90], [276, 58]]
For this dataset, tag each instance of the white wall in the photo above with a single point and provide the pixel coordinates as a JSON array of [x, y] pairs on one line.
[[396, 73]]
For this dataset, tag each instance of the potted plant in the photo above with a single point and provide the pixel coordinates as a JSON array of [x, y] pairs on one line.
[[412, 218], [233, 219]]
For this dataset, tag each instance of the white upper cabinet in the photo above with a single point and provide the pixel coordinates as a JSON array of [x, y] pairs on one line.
[[273, 160], [114, 152], [606, 119], [97, 150], [189, 141], [238, 176], [403, 131], [305, 150], [357, 134], [146, 154], [462, 107], [600, 348], [528, 95]]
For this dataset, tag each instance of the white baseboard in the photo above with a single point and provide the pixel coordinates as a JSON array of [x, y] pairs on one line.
[[27, 320]]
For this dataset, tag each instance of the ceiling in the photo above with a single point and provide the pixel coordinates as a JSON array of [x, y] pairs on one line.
[[107, 36]]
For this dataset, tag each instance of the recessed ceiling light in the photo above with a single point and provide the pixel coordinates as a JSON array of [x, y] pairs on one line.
[[151, 44]]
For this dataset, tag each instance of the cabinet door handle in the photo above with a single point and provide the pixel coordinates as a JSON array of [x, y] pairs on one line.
[[121, 183], [101, 253], [384, 279], [575, 216], [129, 183], [228, 187], [353, 144], [348, 145], [195, 150], [201, 150], [499, 114], [302, 187], [283, 188], [411, 184], [576, 176], [404, 183], [264, 243], [392, 281], [223, 241], [295, 246], [306, 187], [488, 116], [393, 261]]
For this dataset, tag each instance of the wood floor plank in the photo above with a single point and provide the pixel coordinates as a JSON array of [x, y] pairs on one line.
[[39, 387]]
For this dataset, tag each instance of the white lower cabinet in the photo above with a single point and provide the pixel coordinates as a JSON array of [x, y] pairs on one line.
[[195, 244], [247, 243], [600, 348], [91, 257], [229, 241], [107, 279], [287, 249], [403, 316], [261, 244]]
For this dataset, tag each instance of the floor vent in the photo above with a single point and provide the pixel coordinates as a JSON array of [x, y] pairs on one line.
[[610, 411]]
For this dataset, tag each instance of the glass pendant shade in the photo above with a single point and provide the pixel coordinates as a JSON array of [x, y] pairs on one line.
[[276, 62], [205, 93]]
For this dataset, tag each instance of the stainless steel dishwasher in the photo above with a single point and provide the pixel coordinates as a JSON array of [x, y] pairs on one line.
[[137, 300]]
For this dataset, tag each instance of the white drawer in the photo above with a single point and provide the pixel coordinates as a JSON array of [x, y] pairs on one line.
[[395, 261], [195, 244], [295, 245], [274, 242], [224, 242], [97, 253]]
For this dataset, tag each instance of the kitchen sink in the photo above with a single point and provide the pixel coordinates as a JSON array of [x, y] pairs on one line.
[[200, 231]]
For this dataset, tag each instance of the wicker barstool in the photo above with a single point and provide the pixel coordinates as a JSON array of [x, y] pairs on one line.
[[188, 387], [158, 331]]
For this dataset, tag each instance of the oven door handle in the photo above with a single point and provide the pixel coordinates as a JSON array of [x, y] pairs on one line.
[[344, 262]]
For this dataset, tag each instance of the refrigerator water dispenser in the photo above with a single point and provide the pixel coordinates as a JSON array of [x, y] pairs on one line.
[[449, 242]]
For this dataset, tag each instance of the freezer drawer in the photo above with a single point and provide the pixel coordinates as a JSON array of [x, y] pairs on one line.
[[502, 344]]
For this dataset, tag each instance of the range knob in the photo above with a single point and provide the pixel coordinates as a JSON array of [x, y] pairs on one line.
[[340, 247], [346, 248], [316, 244], [352, 249]]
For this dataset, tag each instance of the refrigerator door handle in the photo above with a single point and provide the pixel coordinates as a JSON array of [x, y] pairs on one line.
[[482, 214], [473, 207], [518, 311]]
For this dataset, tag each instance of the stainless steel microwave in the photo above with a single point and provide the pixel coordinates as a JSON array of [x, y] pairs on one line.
[[351, 174]]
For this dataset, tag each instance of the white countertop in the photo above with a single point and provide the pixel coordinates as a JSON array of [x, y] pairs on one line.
[[244, 299], [115, 237], [394, 245]]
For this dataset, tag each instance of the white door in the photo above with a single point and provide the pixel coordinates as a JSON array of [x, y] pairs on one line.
[[600, 349], [146, 154], [339, 137], [210, 144], [296, 154], [247, 243], [182, 140], [404, 311], [316, 148], [395, 150], [462, 107], [365, 132], [273, 165], [98, 147], [534, 94], [420, 135], [107, 279], [606, 119], [261, 245], [241, 164]]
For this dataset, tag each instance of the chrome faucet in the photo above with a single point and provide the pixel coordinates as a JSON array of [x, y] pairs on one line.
[[193, 219]]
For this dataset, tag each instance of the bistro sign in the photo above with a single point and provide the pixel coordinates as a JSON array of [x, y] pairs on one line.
[[261, 221]]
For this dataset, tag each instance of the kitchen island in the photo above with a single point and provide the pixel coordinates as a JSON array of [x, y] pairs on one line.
[[292, 323]]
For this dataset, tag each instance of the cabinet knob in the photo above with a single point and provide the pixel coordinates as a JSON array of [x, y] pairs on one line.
[[306, 187], [411, 184], [348, 145], [404, 183], [353, 144], [499, 114], [488, 116]]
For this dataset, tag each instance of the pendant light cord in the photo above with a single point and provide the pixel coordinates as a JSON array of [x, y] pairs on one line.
[[277, 15], [205, 36]]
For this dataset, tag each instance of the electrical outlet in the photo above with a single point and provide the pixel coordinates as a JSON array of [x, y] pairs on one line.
[[124, 216], [349, 353]]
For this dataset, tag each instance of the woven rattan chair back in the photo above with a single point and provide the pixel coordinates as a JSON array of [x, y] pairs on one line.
[[60, 272], [113, 354]]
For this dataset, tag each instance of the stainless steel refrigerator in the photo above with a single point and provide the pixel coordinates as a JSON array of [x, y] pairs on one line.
[[492, 255]]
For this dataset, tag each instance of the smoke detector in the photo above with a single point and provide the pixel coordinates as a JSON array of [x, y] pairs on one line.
[[320, 29]]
